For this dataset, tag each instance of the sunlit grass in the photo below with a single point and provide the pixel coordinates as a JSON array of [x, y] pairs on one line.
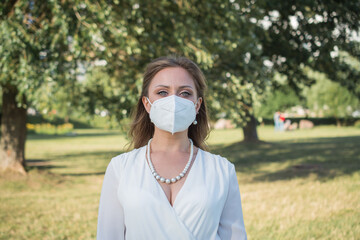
[[295, 185], [298, 185]]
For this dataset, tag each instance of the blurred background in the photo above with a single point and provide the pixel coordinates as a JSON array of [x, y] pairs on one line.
[[283, 97]]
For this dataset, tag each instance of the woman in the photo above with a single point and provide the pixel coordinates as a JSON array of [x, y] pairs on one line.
[[169, 187]]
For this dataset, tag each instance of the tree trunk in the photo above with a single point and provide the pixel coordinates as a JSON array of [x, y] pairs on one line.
[[338, 122], [13, 132], [250, 132]]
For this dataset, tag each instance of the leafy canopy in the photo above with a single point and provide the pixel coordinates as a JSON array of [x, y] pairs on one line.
[[88, 55]]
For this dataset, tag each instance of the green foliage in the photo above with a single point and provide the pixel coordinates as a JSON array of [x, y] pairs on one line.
[[46, 46], [221, 42], [329, 98], [281, 99], [310, 33], [41, 43], [230, 42], [325, 98]]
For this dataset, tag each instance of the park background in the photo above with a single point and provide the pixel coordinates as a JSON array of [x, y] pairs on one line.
[[71, 71]]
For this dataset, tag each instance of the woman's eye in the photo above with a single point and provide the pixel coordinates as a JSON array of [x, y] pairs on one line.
[[185, 94], [162, 93]]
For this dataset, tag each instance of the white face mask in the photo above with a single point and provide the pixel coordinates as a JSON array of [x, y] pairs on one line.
[[172, 114]]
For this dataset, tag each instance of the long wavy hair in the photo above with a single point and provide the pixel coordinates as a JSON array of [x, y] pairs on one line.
[[142, 129]]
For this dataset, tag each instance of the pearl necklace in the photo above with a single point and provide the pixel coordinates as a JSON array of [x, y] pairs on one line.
[[178, 177]]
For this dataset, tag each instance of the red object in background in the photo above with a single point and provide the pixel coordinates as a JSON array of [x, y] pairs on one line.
[[282, 118]]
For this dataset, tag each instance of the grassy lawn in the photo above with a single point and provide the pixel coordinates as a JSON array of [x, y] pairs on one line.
[[295, 185]]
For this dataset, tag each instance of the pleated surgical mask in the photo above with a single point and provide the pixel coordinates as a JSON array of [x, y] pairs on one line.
[[172, 113]]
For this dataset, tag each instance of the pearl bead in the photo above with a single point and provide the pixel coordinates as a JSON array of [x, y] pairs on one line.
[[178, 178], [157, 177], [162, 179], [173, 180], [182, 174], [167, 181], [154, 173]]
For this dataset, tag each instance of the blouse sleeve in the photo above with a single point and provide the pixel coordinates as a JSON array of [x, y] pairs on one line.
[[111, 215], [231, 221]]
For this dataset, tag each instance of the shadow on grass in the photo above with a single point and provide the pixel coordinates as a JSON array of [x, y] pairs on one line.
[[33, 136], [83, 174], [101, 154], [86, 159], [40, 164], [324, 157]]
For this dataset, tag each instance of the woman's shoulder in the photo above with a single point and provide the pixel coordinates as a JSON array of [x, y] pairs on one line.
[[123, 159], [217, 160]]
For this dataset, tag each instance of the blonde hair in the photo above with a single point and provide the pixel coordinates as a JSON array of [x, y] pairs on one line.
[[142, 129]]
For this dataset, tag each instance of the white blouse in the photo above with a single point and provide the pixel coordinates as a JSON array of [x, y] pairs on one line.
[[133, 205]]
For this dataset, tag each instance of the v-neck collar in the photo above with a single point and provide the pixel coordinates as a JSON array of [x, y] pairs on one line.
[[158, 186]]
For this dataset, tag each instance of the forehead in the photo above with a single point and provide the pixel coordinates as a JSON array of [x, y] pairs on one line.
[[173, 77]]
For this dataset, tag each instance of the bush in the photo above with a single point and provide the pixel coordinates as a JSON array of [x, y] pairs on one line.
[[40, 119], [49, 129]]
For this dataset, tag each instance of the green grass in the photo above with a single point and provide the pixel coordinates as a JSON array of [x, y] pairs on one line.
[[294, 185]]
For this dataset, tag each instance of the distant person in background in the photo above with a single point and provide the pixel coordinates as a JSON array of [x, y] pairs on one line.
[[277, 120], [281, 121], [169, 186], [287, 125]]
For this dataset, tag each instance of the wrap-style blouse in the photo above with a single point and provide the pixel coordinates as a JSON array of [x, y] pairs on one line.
[[133, 205]]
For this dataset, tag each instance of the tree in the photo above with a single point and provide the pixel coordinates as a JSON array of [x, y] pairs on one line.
[[215, 34], [239, 45], [41, 43], [44, 44]]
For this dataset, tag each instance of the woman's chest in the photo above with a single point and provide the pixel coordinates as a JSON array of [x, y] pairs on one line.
[[202, 188], [197, 206]]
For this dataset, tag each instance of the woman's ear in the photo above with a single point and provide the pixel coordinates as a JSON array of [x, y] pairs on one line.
[[146, 104], [198, 104]]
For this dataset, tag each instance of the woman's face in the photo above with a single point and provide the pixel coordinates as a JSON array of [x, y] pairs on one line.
[[172, 81]]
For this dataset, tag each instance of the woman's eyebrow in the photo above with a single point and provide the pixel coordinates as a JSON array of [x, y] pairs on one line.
[[186, 86], [181, 87], [164, 86]]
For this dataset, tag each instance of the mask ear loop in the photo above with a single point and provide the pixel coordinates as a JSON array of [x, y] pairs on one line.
[[148, 101], [195, 122]]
